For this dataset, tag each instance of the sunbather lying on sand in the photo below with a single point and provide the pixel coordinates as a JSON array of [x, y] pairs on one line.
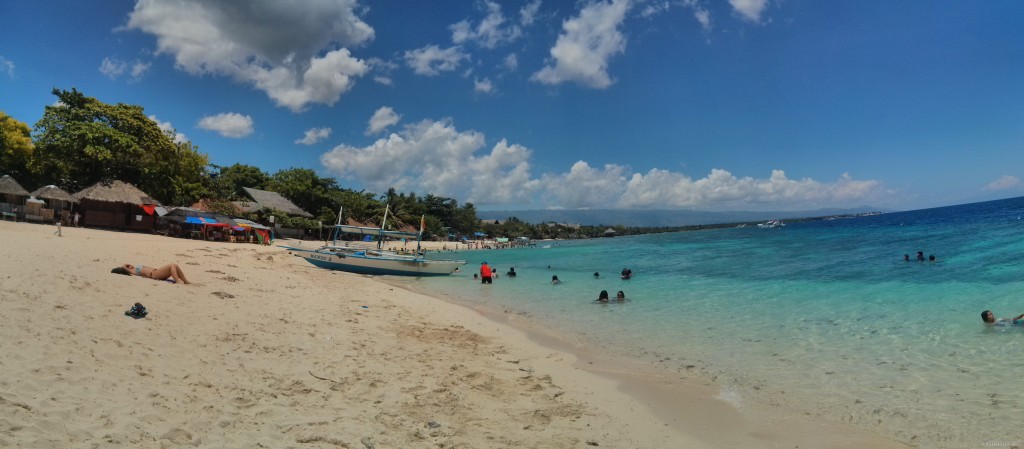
[[172, 271]]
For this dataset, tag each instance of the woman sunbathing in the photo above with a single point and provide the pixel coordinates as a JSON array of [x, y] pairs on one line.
[[172, 271]]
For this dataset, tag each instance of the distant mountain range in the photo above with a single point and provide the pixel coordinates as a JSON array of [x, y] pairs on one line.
[[658, 217]]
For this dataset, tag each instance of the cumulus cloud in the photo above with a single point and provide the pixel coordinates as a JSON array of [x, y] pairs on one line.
[[1005, 182], [167, 127], [7, 67], [511, 62], [433, 156], [314, 135], [228, 124], [492, 31], [587, 42], [382, 118], [483, 86], [292, 53], [749, 9], [528, 13], [432, 60], [113, 68]]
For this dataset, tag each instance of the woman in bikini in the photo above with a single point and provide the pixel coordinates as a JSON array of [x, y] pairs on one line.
[[172, 271]]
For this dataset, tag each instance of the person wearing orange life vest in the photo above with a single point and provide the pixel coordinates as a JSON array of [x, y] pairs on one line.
[[485, 273]]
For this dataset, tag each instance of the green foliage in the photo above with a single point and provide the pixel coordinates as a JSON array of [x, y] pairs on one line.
[[81, 141], [228, 181], [15, 148]]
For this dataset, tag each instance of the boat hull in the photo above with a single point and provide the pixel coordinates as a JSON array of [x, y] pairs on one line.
[[390, 266]]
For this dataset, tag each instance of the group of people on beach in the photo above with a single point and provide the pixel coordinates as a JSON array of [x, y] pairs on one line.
[[488, 273], [920, 257]]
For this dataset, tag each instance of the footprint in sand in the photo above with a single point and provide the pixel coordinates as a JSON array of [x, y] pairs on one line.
[[223, 295], [215, 271], [191, 263]]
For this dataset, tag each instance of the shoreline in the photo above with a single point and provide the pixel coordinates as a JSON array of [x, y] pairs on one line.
[[693, 405], [267, 349]]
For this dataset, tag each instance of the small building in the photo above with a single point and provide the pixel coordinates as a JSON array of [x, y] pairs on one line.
[[267, 201], [609, 233], [12, 196], [117, 205], [57, 203]]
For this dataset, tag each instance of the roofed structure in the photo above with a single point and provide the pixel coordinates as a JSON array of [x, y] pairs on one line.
[[52, 192], [115, 192], [11, 187], [274, 200]]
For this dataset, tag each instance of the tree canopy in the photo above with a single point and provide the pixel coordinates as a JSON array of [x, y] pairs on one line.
[[16, 147]]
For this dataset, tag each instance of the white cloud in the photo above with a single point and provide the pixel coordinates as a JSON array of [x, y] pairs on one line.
[[749, 9], [432, 60], [314, 135], [381, 120], [382, 70], [139, 68], [1005, 182], [228, 124], [490, 32], [528, 13], [7, 66], [483, 86], [167, 127], [703, 16], [113, 68], [511, 62], [586, 44], [433, 156], [290, 52]]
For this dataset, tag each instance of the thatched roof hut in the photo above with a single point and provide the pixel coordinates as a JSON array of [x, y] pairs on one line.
[[52, 192], [117, 204], [115, 192], [274, 200], [9, 186]]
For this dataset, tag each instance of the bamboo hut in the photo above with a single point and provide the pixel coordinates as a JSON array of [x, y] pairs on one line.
[[12, 198], [118, 205], [58, 203]]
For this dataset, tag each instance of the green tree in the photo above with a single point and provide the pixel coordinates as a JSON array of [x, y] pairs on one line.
[[307, 190], [15, 148], [82, 140], [229, 181]]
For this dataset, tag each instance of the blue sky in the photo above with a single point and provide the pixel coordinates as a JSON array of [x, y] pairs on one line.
[[530, 104]]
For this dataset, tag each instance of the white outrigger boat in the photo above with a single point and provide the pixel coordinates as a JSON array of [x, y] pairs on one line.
[[358, 257]]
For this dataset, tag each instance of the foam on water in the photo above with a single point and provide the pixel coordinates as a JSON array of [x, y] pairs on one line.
[[824, 317]]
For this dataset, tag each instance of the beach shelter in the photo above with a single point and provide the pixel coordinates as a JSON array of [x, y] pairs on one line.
[[118, 205], [12, 196], [58, 202], [274, 201]]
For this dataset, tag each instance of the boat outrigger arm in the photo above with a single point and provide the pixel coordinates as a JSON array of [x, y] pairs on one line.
[[376, 232]]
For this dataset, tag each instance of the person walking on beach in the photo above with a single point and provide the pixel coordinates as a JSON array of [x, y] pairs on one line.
[[485, 273], [58, 234], [75, 218]]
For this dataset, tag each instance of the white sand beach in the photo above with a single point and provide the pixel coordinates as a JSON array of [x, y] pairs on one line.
[[265, 350]]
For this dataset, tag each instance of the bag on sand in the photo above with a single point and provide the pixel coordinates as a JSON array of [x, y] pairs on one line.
[[137, 311]]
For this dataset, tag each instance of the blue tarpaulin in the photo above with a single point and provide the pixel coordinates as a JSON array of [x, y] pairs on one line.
[[200, 220]]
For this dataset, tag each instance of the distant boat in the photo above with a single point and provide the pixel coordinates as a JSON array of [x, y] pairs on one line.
[[354, 257]]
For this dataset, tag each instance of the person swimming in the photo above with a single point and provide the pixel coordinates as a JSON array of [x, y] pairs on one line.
[[603, 296], [627, 273], [620, 297], [990, 319], [555, 281], [511, 272]]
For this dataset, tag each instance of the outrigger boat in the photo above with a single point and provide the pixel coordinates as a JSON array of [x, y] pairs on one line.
[[358, 257]]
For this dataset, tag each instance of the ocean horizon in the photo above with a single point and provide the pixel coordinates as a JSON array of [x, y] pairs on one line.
[[824, 317]]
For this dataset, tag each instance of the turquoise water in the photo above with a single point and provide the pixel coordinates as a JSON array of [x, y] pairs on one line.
[[822, 317]]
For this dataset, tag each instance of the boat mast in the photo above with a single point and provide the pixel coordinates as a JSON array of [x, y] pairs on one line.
[[380, 242], [419, 237], [334, 232]]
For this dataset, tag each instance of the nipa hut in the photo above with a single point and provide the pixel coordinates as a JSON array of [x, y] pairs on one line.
[[58, 203], [12, 196], [117, 205]]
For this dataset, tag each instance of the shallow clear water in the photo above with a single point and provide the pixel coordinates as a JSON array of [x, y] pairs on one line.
[[824, 317]]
